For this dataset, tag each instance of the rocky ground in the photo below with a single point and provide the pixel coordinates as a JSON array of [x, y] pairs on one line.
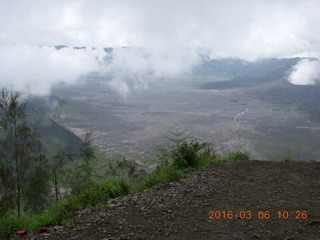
[[250, 200]]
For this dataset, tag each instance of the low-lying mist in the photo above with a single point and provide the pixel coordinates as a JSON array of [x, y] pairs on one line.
[[37, 69]]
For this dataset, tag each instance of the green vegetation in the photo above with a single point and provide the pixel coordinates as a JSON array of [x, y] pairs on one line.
[[238, 155], [21, 158], [64, 209], [183, 153], [288, 158], [161, 175], [35, 184], [97, 193]]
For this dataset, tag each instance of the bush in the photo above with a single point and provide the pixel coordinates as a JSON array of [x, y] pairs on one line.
[[10, 224], [98, 193], [238, 155], [162, 174], [186, 155], [115, 188], [206, 160], [288, 158], [184, 151], [54, 215], [63, 209]]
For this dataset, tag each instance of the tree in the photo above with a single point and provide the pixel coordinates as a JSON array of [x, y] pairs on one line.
[[81, 164], [58, 160], [184, 150], [37, 188], [7, 194], [176, 138], [20, 145]]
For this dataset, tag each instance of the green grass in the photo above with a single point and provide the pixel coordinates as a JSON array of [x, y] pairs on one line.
[[96, 196], [206, 160], [288, 158], [10, 224], [56, 214], [197, 80], [64, 209], [161, 175], [238, 155]]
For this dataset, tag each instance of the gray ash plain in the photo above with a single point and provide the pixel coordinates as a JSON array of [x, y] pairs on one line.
[[232, 119]]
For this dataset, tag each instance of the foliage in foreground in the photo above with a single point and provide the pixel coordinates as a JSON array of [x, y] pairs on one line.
[[161, 175], [238, 155], [185, 153], [62, 210]]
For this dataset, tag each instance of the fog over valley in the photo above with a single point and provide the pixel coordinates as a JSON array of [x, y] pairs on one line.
[[132, 70], [149, 119], [265, 115]]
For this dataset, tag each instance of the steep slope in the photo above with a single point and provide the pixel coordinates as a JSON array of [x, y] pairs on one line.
[[267, 81], [181, 210], [226, 67], [49, 131], [306, 98], [261, 72]]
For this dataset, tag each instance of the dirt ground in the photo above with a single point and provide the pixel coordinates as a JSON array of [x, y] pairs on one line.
[[230, 200]]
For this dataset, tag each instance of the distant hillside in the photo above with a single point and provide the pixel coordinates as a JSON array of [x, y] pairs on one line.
[[50, 132], [267, 81], [227, 67], [306, 98], [256, 73]]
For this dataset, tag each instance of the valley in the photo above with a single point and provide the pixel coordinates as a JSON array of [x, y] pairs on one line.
[[231, 119]]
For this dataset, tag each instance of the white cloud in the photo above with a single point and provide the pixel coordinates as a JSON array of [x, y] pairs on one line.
[[134, 68], [171, 30], [239, 28], [36, 69], [305, 72]]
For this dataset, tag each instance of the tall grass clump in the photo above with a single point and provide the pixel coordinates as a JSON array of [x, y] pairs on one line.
[[9, 225], [62, 210], [98, 193], [238, 155], [162, 174], [183, 151], [288, 158]]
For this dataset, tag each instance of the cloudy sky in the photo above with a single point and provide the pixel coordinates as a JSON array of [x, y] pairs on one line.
[[248, 29]]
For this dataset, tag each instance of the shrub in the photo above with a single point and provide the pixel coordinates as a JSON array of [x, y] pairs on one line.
[[54, 215], [98, 193], [206, 160], [115, 188], [184, 151], [238, 155], [10, 224], [287, 159], [186, 155], [162, 174]]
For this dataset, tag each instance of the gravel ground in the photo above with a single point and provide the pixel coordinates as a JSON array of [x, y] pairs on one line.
[[248, 200]]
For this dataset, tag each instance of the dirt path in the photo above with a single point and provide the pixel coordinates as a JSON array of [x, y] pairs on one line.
[[235, 122], [250, 200]]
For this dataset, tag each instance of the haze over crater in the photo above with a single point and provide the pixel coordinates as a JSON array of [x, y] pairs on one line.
[[167, 38]]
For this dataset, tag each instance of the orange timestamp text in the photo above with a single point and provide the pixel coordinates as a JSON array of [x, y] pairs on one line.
[[214, 215]]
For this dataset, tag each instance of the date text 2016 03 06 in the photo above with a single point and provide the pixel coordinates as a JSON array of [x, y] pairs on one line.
[[215, 215]]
